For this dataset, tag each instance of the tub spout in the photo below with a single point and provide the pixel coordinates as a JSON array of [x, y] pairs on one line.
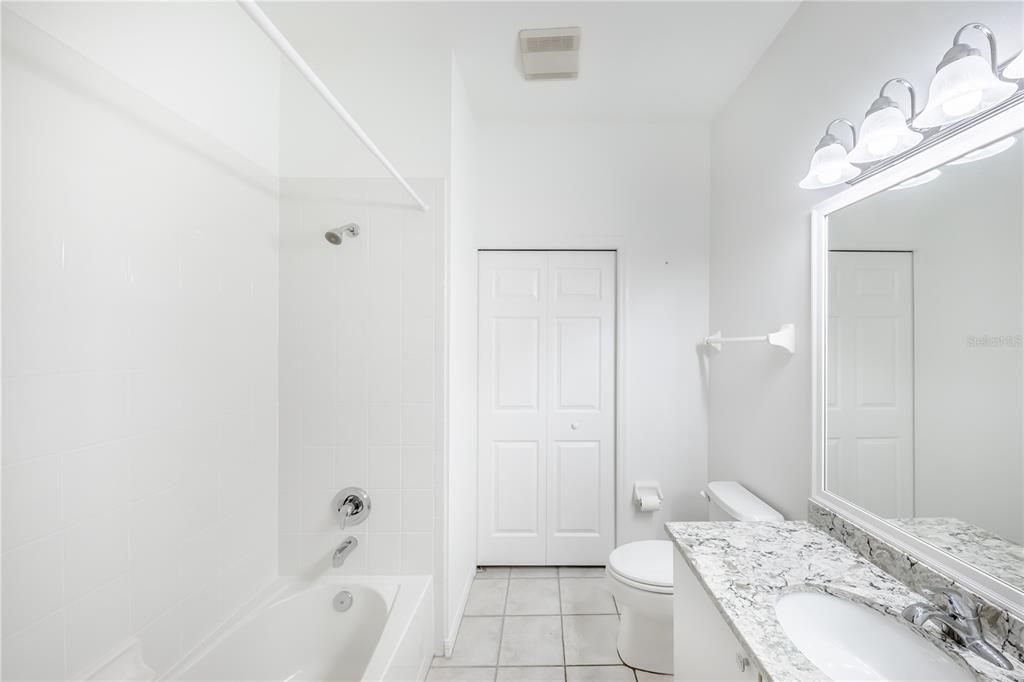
[[344, 549]]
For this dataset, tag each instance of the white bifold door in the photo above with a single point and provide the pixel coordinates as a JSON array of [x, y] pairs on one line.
[[870, 420], [546, 407]]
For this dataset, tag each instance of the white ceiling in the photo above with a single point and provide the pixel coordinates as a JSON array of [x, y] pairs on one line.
[[638, 60]]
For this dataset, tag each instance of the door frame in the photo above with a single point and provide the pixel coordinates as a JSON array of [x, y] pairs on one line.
[[619, 357]]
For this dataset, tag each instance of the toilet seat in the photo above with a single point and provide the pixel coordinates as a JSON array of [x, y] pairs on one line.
[[644, 565]]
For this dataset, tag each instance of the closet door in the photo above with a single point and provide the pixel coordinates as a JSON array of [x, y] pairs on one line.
[[581, 413], [870, 449], [546, 408]]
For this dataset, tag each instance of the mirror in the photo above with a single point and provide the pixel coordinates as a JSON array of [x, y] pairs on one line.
[[924, 389]]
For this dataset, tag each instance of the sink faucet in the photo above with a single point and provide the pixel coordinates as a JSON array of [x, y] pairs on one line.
[[962, 615], [347, 546]]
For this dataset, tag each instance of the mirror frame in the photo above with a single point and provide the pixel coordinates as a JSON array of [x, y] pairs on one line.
[[1003, 124]]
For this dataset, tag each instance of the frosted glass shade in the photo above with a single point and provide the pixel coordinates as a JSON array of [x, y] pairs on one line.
[[985, 152], [918, 180], [961, 89], [1015, 69], [829, 167], [884, 133]]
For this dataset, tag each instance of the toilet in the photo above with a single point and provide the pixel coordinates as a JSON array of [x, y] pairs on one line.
[[639, 576]]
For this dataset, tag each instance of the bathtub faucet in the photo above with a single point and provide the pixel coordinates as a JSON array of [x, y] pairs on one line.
[[344, 549], [351, 507]]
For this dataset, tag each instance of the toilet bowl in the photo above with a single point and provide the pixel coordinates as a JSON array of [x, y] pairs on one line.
[[639, 576]]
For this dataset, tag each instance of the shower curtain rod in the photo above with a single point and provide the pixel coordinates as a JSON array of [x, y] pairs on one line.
[[268, 27]]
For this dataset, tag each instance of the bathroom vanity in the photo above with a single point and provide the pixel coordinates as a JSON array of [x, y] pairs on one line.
[[730, 579]]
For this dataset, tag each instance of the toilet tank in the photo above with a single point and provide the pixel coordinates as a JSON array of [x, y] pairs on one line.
[[730, 501]]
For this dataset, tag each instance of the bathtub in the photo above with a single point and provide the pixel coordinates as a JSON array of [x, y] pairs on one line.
[[293, 632]]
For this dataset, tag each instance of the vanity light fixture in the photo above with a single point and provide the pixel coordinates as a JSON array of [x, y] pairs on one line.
[[964, 83], [885, 132], [829, 165], [1015, 69], [985, 152], [918, 180]]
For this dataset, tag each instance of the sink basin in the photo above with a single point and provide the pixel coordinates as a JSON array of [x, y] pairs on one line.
[[849, 641]]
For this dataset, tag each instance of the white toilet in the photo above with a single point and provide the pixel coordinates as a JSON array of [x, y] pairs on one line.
[[639, 576]]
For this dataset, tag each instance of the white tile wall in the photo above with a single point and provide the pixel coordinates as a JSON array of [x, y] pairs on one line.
[[360, 377], [139, 370]]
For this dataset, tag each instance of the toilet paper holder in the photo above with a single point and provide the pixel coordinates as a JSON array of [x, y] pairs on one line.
[[647, 496]]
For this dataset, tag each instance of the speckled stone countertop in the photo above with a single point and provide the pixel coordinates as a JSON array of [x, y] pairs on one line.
[[745, 567], [985, 551]]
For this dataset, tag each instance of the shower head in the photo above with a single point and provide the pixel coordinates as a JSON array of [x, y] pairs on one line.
[[334, 236]]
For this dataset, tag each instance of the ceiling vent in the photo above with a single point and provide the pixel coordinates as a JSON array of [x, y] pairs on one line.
[[550, 53]]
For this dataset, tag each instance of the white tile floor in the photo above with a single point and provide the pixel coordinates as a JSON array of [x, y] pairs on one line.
[[538, 624]]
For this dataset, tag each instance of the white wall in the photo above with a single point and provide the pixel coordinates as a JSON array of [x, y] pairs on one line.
[[399, 95], [461, 493], [829, 61], [965, 231], [205, 62], [360, 374], [640, 188], [139, 363]]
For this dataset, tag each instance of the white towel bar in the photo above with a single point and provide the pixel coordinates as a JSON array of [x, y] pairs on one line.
[[784, 338]]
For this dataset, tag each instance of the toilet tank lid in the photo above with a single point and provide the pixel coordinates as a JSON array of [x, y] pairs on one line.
[[740, 503]]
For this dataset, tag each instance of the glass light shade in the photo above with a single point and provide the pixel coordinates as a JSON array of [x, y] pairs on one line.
[[918, 180], [883, 133], [1015, 69], [985, 152], [961, 89], [829, 167]]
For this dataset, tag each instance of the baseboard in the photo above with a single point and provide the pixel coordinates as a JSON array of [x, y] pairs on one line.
[[453, 627]]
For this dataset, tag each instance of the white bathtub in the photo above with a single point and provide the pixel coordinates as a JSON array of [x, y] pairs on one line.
[[293, 632]]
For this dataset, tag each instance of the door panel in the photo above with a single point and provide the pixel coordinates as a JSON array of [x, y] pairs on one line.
[[514, 488], [870, 454], [547, 400], [581, 424]]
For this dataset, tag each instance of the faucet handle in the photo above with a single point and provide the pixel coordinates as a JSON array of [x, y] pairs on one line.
[[958, 602]]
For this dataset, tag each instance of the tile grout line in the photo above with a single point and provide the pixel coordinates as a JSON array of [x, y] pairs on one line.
[[561, 623], [501, 629]]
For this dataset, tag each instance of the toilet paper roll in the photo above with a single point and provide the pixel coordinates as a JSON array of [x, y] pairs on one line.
[[649, 503]]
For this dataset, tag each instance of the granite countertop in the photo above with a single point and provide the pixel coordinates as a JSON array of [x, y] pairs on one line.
[[987, 551], [746, 566]]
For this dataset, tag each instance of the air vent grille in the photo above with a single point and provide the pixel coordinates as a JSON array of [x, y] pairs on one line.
[[550, 53], [551, 44]]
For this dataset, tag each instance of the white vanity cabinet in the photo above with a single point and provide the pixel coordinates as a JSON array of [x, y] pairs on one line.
[[704, 648]]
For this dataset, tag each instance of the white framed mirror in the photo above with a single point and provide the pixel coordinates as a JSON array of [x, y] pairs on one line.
[[918, 358]]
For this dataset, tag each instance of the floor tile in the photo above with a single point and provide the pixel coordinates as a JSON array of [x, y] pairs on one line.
[[534, 572], [476, 644], [590, 640], [643, 676], [586, 596], [533, 597], [531, 640], [487, 598], [460, 675], [532, 674], [492, 573], [599, 673], [581, 572]]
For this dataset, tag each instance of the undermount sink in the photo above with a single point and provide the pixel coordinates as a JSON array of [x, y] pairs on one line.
[[849, 641]]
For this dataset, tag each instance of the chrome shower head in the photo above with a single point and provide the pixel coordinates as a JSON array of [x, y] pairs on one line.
[[334, 236]]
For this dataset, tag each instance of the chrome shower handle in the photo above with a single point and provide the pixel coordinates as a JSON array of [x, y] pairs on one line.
[[351, 507]]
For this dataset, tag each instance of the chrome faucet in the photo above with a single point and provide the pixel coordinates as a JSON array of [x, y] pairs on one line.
[[961, 613], [347, 546]]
